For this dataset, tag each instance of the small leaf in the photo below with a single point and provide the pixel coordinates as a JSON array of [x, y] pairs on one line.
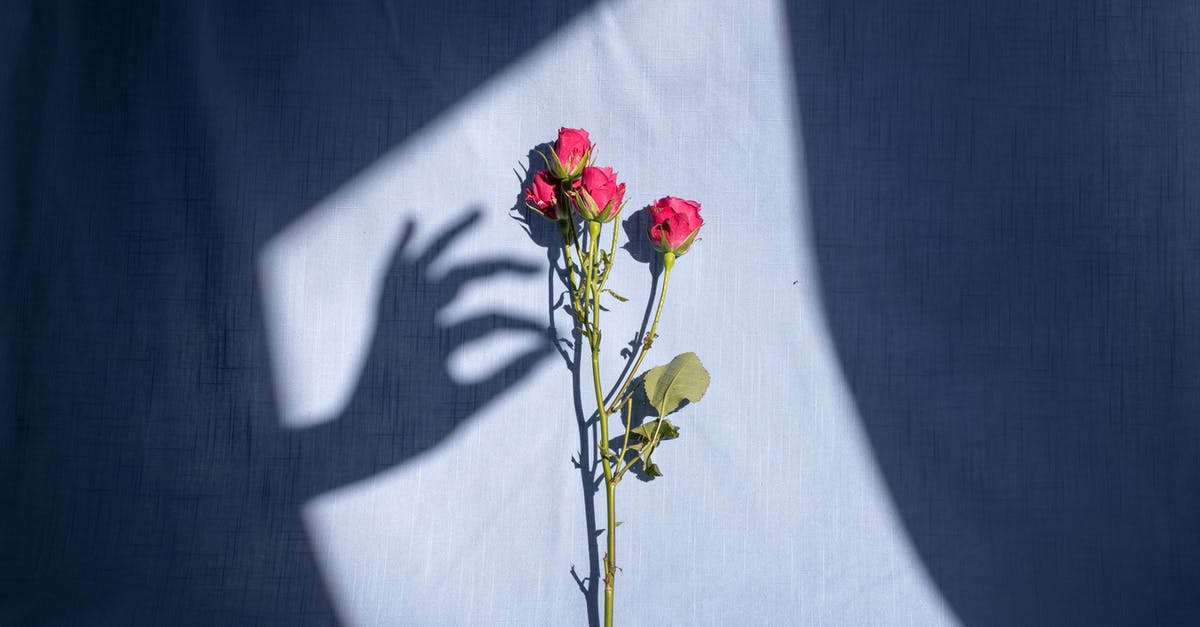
[[645, 432], [616, 295], [684, 378], [618, 524], [652, 471]]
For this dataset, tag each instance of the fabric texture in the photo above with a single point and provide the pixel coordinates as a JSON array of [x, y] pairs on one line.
[[279, 344]]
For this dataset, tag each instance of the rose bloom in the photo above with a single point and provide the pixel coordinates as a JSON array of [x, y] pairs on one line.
[[541, 196], [674, 224], [572, 150], [600, 194]]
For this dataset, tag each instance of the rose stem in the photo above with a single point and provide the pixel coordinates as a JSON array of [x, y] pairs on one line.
[[609, 487], [565, 228], [612, 250], [668, 263]]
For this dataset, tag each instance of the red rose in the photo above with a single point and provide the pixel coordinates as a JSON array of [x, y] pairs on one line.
[[600, 196], [674, 225], [571, 153], [542, 197]]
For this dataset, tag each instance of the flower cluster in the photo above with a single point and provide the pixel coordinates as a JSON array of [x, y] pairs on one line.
[[572, 185]]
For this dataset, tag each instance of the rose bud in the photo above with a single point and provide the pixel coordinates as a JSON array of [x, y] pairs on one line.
[[570, 154], [674, 225], [600, 197], [542, 197]]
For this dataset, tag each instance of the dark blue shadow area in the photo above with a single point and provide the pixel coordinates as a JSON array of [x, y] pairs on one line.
[[148, 151], [1004, 204]]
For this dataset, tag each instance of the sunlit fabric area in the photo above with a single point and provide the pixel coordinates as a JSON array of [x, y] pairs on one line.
[[283, 342]]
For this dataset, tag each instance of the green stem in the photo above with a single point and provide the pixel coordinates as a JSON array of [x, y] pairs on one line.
[[662, 298], [566, 228], [612, 249], [610, 565], [609, 486], [625, 440], [621, 473]]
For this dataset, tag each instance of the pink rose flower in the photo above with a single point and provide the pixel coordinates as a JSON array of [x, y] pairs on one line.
[[571, 153], [674, 224], [600, 196], [541, 196]]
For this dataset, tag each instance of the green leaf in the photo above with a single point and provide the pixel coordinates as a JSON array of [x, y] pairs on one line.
[[645, 432], [684, 378], [644, 438], [616, 295]]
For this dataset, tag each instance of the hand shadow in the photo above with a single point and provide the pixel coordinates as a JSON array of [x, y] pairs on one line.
[[407, 400]]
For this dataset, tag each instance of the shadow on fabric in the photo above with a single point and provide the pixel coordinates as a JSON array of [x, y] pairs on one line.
[[1009, 249], [149, 151]]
